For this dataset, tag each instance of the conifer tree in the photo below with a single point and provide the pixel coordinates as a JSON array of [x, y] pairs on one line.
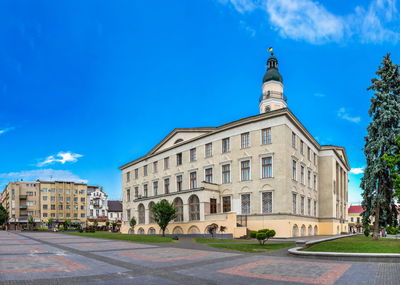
[[383, 130]]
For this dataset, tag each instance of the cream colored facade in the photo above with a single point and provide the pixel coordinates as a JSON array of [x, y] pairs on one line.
[[63, 200], [280, 177], [21, 200]]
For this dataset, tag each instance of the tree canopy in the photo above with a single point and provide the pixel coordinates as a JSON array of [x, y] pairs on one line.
[[3, 215], [163, 212]]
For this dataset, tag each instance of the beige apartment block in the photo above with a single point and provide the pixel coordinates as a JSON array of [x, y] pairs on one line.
[[21, 200], [263, 171], [63, 200]]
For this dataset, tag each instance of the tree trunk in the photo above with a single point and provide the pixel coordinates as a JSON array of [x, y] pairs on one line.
[[163, 232], [376, 222]]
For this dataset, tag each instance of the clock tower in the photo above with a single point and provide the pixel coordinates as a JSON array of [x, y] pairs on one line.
[[272, 97]]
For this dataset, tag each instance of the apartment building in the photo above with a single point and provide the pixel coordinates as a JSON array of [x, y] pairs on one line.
[[22, 200], [263, 171]]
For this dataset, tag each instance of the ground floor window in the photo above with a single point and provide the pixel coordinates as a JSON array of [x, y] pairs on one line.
[[213, 206], [226, 204], [267, 202], [194, 208], [245, 203]]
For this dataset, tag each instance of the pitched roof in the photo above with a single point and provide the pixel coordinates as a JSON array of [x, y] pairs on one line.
[[356, 209], [114, 205]]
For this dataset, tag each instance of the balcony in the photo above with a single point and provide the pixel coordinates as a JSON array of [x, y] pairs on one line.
[[23, 197]]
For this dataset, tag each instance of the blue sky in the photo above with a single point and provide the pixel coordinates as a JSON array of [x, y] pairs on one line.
[[86, 86]]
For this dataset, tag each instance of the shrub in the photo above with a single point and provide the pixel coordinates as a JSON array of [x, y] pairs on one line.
[[391, 230], [90, 229], [367, 231], [264, 235], [252, 234]]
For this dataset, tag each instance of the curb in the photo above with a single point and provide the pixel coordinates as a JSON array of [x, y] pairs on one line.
[[343, 256]]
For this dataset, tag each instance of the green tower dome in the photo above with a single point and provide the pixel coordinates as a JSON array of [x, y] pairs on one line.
[[272, 70]]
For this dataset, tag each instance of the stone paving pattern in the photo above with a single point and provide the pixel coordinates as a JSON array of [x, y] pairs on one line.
[[55, 258]]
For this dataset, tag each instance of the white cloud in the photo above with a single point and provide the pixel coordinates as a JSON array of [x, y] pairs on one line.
[[3, 131], [343, 114], [310, 21], [61, 157], [358, 170], [42, 174]]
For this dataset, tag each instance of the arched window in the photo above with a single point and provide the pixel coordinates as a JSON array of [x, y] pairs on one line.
[[141, 231], [151, 231], [295, 231], [310, 230], [151, 214], [315, 230], [178, 141], [141, 214], [303, 230], [194, 208], [178, 204]]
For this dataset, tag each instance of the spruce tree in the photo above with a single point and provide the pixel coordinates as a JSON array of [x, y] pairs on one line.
[[383, 130]]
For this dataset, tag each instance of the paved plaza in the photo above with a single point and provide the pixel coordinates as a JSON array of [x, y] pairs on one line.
[[54, 258]]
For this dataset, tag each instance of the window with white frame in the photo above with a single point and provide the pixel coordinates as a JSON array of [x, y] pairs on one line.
[[226, 204], [166, 163], [155, 188], [208, 150], [245, 170], [309, 178], [315, 182], [128, 176], [145, 170], [266, 167], [179, 158], [294, 203], [208, 175], [315, 158], [145, 190], [267, 202], [136, 192], [315, 208], [245, 140], [226, 173], [293, 140], [302, 205], [225, 145], [294, 170], [302, 174], [179, 183], [136, 173], [193, 180], [192, 155], [309, 207], [155, 166], [166, 185], [309, 153], [245, 204], [266, 136]]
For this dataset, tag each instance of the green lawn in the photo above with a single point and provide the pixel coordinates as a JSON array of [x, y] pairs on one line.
[[254, 247], [125, 237], [218, 240], [358, 244]]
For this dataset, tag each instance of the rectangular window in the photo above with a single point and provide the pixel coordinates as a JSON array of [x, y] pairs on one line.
[[179, 159], [294, 203], [245, 170], [53, 198], [309, 178], [309, 154], [44, 198], [166, 163], [267, 202], [315, 208], [293, 140], [145, 170], [213, 206], [301, 147], [226, 204], [294, 170], [44, 215], [128, 176], [315, 182], [136, 192], [302, 205], [266, 136], [193, 180], [155, 166], [245, 204], [45, 207], [166, 185], [145, 190], [245, 140], [128, 214], [128, 194], [226, 173], [136, 173], [193, 155], [302, 174], [155, 188], [60, 191], [266, 167], [52, 207], [60, 207], [179, 183], [209, 175], [315, 159], [83, 200], [309, 207], [225, 145], [208, 150]]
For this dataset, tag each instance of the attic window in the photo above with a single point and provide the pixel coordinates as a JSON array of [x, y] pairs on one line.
[[178, 141]]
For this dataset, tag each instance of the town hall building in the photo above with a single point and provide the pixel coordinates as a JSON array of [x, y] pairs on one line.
[[263, 171]]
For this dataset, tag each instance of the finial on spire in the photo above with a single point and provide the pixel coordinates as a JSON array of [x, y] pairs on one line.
[[271, 50]]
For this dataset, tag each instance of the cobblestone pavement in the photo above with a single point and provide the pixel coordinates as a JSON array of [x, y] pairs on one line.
[[54, 258]]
